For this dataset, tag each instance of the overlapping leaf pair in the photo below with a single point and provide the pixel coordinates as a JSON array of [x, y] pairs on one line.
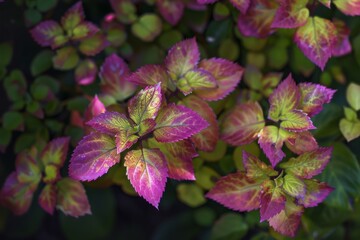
[[65, 194]]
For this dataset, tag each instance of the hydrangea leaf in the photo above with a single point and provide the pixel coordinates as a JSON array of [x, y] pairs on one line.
[[296, 121], [171, 10], [242, 124], [195, 79], [308, 164], [110, 123], [71, 198], [93, 156], [66, 58], [47, 198], [294, 186], [178, 157], [147, 172], [84, 30], [176, 122], [271, 140], [27, 169], [343, 45], [55, 152], [241, 5], [73, 17], [353, 96], [206, 139], [291, 14], [237, 192], [145, 104], [301, 142], [93, 45], [182, 57], [272, 200], [124, 140], [150, 75], [316, 192], [285, 98], [256, 169], [316, 39], [147, 27], [348, 7], [85, 72], [258, 19], [227, 75], [350, 129], [313, 97], [49, 33]]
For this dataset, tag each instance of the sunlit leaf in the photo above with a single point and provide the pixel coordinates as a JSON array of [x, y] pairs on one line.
[[55, 152]]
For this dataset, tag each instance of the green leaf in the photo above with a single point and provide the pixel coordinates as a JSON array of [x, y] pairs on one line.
[[32, 16], [294, 186], [66, 58], [15, 85], [353, 96], [41, 62], [45, 5], [13, 121], [350, 129], [230, 226], [148, 27], [6, 53], [191, 194]]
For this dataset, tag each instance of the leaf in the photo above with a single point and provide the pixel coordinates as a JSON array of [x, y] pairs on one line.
[[113, 75], [294, 186], [145, 104], [110, 123], [242, 124], [95, 108], [171, 10], [241, 5], [313, 97], [176, 122], [195, 79], [85, 72], [296, 121], [84, 30], [326, 3], [45, 5], [150, 75], [227, 75], [47, 198], [15, 85], [291, 14], [206, 139], [350, 129], [237, 192], [272, 200], [93, 157], [190, 194], [316, 39], [285, 98], [352, 96], [316, 192], [41, 62], [27, 170], [147, 27], [6, 52], [49, 33], [229, 226], [51, 174], [66, 58], [301, 142], [71, 198], [124, 140], [125, 10], [308, 164], [73, 17], [147, 172], [182, 57], [55, 152], [256, 169], [343, 45], [178, 156], [13, 121], [93, 45], [348, 7]]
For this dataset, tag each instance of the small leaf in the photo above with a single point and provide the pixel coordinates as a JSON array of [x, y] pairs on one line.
[[85, 72], [84, 30], [93, 45], [150, 75], [256, 169], [230, 226], [41, 62], [27, 170], [343, 45], [176, 122], [272, 200], [171, 10], [291, 14], [66, 58], [47, 198], [147, 27], [301, 142], [350, 129], [125, 10], [316, 192], [190, 194], [45, 5], [49, 33], [353, 96], [348, 7], [296, 121], [124, 140], [294, 186], [6, 52], [95, 108], [55, 152], [195, 79], [15, 85], [147, 172], [110, 123], [73, 17]]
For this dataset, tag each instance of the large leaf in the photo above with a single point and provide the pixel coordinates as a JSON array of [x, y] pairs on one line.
[[296, 121]]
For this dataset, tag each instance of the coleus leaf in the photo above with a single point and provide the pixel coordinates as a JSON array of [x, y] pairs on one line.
[[237, 192], [343, 45], [241, 5], [124, 140], [256, 169], [113, 74], [326, 3], [272, 200], [93, 156], [52, 174], [71, 198], [84, 30], [316, 192], [150, 75], [110, 123], [147, 172], [296, 121], [125, 10], [348, 7], [85, 72], [227, 75], [66, 58], [73, 17], [294, 186], [316, 39], [95, 108], [49, 33], [93, 45], [27, 170], [176, 122], [195, 79], [301, 142], [291, 14], [171, 10], [47, 198], [55, 152], [308, 164], [206, 139], [145, 104]]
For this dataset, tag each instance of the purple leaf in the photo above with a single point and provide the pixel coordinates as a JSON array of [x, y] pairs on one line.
[[55, 152], [150, 75], [171, 10], [47, 198], [291, 14], [85, 72], [93, 45], [301, 142], [316, 192], [241, 5], [49, 33], [73, 17], [124, 140], [343, 45], [272, 200], [84, 30], [110, 123]]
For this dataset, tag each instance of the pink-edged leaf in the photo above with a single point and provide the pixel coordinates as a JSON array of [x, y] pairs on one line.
[[256, 169], [66, 58], [316, 39], [242, 124], [85, 72], [294, 186], [195, 79], [237, 192], [146, 127], [178, 157], [313, 97], [288, 220], [227, 75], [49, 33], [93, 45], [124, 140], [258, 19], [73, 17], [171, 10], [113, 74], [296, 121], [182, 57], [326, 3], [176, 122], [55, 152], [308, 164], [110, 123], [47, 198], [15, 195], [150, 75], [241, 5], [93, 157], [125, 10], [301, 142], [84, 30], [285, 98], [145, 104], [147, 172], [206, 139], [343, 45], [272, 200], [27, 169], [95, 108], [71, 198], [291, 14], [271, 140], [348, 7], [316, 192]]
